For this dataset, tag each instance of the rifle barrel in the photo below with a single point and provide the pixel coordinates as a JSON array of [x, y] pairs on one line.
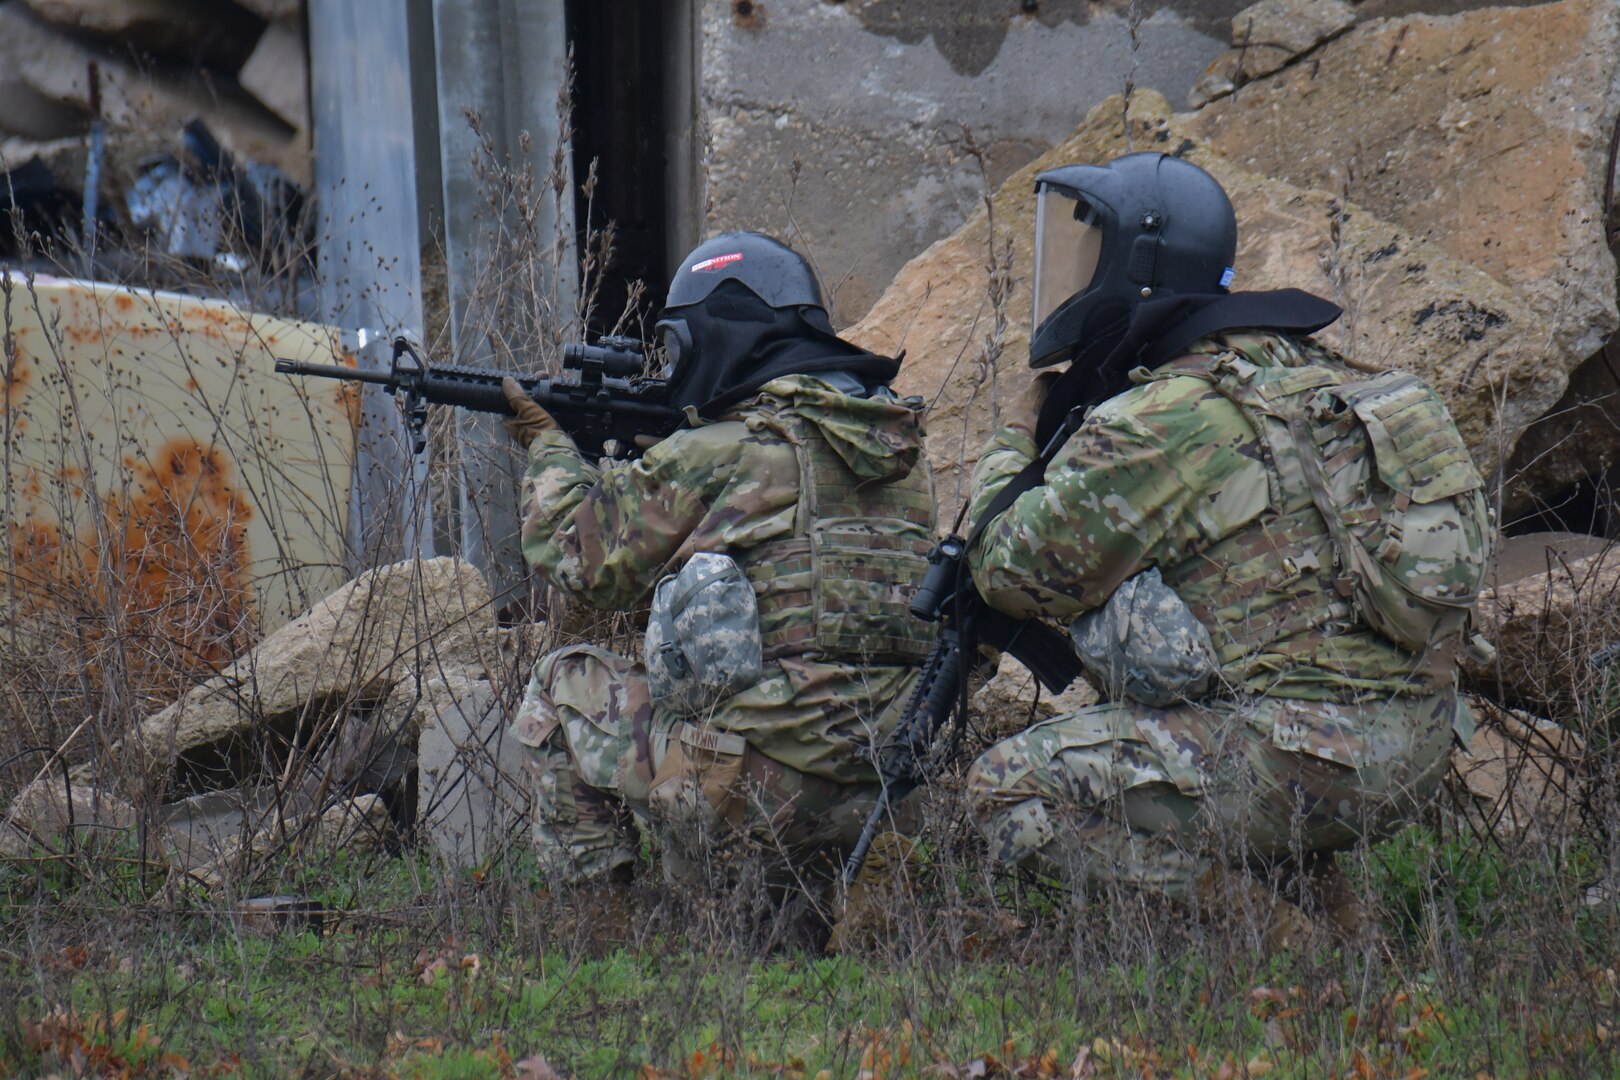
[[334, 371]]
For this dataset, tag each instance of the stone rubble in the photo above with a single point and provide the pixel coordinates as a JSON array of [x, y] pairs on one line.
[[346, 651], [160, 65], [400, 677], [1519, 776]]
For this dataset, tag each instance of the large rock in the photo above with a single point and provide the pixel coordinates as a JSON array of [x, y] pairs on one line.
[[48, 810], [1551, 630], [1268, 35], [349, 650], [1485, 133], [57, 68], [1408, 304]]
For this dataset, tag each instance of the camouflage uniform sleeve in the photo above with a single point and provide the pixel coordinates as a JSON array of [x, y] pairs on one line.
[[606, 535], [1004, 457], [1152, 477]]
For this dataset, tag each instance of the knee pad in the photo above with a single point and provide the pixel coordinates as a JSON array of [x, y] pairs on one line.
[[1016, 831], [998, 778]]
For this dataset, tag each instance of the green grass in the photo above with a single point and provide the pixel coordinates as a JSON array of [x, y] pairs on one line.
[[428, 975]]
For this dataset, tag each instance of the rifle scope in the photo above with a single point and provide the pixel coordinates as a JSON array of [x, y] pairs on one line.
[[938, 585], [615, 357]]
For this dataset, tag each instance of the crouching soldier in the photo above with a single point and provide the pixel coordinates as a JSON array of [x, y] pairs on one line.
[[1270, 558], [779, 536]]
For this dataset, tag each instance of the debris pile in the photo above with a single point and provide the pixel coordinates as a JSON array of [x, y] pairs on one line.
[[380, 710], [92, 89]]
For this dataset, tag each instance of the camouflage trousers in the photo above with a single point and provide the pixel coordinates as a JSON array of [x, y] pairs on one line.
[[599, 753], [1129, 794]]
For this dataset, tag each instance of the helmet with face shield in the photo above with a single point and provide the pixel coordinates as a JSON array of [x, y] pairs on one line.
[[1108, 237]]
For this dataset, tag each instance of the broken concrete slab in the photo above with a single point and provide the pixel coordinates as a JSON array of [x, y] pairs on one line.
[[277, 73], [123, 151], [32, 115], [1265, 37], [1408, 304], [57, 68], [1531, 554], [349, 649], [1485, 134], [472, 788], [217, 843]]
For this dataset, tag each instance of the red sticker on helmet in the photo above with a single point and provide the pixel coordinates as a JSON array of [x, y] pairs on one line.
[[718, 262]]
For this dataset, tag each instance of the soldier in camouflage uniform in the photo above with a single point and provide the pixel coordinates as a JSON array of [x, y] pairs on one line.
[[804, 471], [1270, 556]]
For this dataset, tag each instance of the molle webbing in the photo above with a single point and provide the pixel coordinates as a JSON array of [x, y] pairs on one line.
[[841, 587], [1269, 583], [1275, 579], [1347, 458]]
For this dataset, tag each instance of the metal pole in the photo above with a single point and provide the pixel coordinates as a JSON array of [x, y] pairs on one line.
[[370, 249], [505, 61]]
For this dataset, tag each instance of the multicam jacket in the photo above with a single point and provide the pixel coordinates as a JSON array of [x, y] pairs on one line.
[[836, 656], [1173, 474]]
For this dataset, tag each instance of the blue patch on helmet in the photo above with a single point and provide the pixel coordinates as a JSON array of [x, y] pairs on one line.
[[1226, 277]]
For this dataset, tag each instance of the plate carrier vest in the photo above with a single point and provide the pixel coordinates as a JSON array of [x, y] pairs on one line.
[[840, 587], [1377, 515]]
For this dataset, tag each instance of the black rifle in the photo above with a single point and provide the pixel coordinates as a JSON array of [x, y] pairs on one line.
[[947, 596], [608, 401]]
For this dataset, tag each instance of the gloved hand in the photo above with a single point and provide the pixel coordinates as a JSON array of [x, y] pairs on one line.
[[528, 418], [1024, 411]]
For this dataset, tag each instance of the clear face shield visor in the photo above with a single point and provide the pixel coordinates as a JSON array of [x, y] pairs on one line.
[[1067, 247]]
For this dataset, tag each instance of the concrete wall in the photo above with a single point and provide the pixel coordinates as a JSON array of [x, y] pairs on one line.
[[839, 125]]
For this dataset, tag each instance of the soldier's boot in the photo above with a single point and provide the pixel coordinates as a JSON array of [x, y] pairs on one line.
[[1232, 896], [866, 914], [1326, 890]]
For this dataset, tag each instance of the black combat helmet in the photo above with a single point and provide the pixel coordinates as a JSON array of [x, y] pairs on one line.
[[743, 309], [1108, 237]]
